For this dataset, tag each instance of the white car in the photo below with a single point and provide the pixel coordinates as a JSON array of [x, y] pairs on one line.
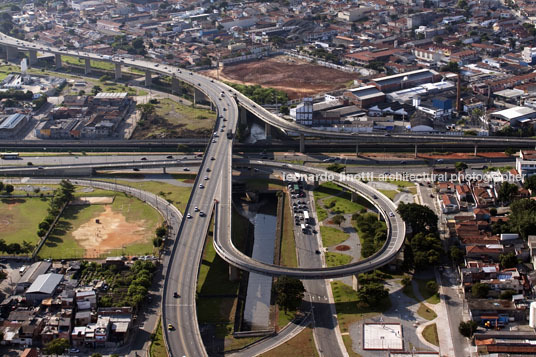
[[201, 185], [391, 214], [206, 178], [188, 216], [196, 209]]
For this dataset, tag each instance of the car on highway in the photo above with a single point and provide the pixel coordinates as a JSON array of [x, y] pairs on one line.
[[188, 216], [317, 251], [196, 209], [191, 74], [224, 119], [40, 168], [202, 214], [386, 134], [212, 158], [186, 169], [170, 327], [375, 197], [135, 169], [224, 109], [391, 214], [169, 157], [214, 141], [143, 159], [201, 186], [206, 178], [74, 350], [176, 295], [208, 169]]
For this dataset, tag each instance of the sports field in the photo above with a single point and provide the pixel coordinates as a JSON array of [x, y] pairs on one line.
[[124, 227], [19, 218]]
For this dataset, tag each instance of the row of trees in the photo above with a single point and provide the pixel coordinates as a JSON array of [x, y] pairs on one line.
[[16, 248], [423, 247], [372, 232], [62, 195], [371, 289], [160, 233], [261, 95], [7, 188]]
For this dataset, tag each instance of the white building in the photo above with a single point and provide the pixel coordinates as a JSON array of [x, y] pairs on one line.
[[526, 163], [529, 55], [303, 113]]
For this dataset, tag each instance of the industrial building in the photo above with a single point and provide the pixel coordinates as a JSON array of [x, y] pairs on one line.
[[406, 80], [364, 97], [12, 125]]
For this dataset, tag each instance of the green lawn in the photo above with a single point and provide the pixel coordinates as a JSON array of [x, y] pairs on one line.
[[107, 66], [20, 217], [61, 243], [326, 189], [391, 194], [176, 195], [332, 236], [342, 205], [348, 344], [288, 243], [337, 259], [172, 119], [430, 298], [408, 291], [302, 345], [284, 318], [158, 348], [348, 309], [321, 213], [426, 313], [430, 334]]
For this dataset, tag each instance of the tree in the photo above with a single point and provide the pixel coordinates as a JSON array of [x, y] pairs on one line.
[[157, 242], [1, 185], [467, 328], [432, 287], [289, 293], [41, 232], [421, 218], [508, 260], [96, 90], [338, 219], [456, 254], [44, 225], [451, 67], [161, 231], [480, 290], [460, 166], [509, 151], [522, 219], [9, 188], [507, 191], [372, 293], [530, 183], [507, 294], [57, 346], [146, 110], [406, 280]]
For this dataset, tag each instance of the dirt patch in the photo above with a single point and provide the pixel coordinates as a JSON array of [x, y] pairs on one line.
[[105, 200], [298, 78], [188, 181], [112, 231], [342, 248]]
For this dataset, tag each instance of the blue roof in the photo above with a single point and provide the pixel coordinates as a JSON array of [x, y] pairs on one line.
[[12, 121]]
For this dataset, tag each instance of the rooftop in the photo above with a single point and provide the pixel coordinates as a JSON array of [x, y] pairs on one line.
[[45, 283]]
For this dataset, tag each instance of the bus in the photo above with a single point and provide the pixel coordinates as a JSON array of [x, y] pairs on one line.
[[9, 155], [306, 216]]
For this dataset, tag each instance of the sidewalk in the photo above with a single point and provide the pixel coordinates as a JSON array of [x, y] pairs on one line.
[[446, 347]]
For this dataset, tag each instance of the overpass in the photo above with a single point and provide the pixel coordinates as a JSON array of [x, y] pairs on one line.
[[396, 230], [181, 275]]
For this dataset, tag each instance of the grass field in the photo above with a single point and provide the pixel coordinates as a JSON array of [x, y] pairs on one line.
[[302, 345], [62, 242], [107, 66], [284, 318], [176, 195], [172, 119], [430, 334], [430, 298], [332, 236], [20, 217], [288, 244], [426, 313], [158, 348], [391, 194], [348, 309], [337, 259]]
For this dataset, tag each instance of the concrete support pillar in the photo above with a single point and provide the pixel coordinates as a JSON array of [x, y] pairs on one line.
[[415, 150], [164, 170], [302, 143], [11, 53], [32, 57], [234, 273], [355, 282], [175, 85], [87, 68], [58, 60], [198, 96], [476, 150], [243, 116], [118, 71], [357, 148], [148, 78], [268, 130]]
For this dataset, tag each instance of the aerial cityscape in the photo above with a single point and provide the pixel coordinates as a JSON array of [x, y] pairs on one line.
[[268, 178]]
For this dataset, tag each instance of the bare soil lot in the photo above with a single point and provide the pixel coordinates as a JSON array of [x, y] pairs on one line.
[[298, 78]]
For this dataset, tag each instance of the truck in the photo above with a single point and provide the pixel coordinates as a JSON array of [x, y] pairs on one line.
[[229, 134]]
